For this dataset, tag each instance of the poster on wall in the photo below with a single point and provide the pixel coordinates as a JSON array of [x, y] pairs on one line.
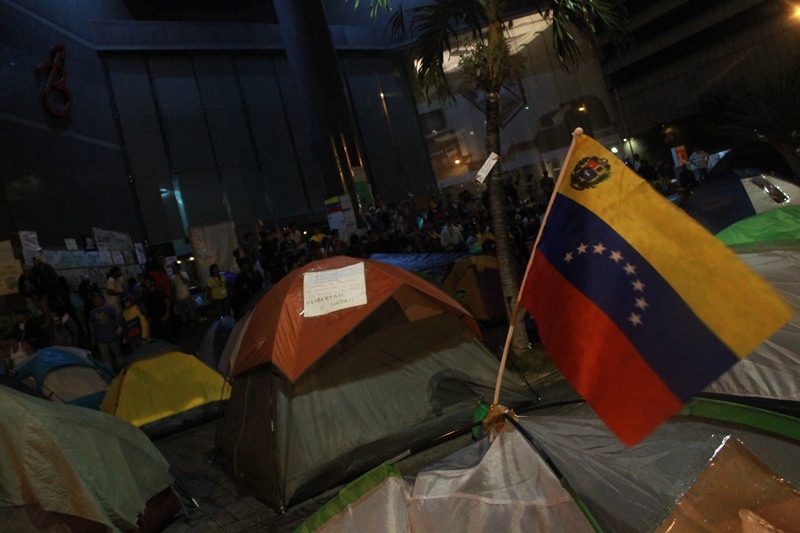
[[29, 241], [212, 243], [6, 252], [51, 258], [10, 271], [140, 256]]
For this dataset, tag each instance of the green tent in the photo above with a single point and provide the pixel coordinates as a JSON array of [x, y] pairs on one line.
[[63, 464], [777, 228]]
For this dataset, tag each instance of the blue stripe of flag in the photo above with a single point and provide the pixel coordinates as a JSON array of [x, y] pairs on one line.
[[676, 344]]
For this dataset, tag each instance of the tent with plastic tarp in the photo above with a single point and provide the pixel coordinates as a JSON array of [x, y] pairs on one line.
[[68, 375], [769, 244], [162, 390], [693, 474], [78, 470], [321, 399], [752, 178]]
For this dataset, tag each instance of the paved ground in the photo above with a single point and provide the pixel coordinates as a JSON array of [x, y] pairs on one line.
[[221, 508]]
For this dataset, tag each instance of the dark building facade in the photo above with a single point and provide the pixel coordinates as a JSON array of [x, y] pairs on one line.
[[167, 115]]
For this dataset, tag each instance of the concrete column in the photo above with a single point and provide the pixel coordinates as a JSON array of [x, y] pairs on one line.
[[318, 81]]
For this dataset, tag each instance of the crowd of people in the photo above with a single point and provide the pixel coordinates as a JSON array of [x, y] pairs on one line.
[[158, 304], [445, 224], [115, 319]]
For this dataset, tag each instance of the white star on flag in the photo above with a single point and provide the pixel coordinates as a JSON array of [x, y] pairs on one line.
[[638, 285], [568, 257], [635, 319], [630, 269], [641, 303], [582, 248], [616, 256], [599, 248]]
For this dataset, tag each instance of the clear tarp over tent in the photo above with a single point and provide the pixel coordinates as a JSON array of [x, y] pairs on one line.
[[624, 489], [75, 461]]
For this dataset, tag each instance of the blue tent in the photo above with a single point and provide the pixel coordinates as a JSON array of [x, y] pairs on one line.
[[67, 375], [210, 348]]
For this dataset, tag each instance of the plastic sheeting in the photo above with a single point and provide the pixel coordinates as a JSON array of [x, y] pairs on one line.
[[736, 493], [631, 490], [689, 467], [420, 262], [76, 462], [489, 487], [773, 369]]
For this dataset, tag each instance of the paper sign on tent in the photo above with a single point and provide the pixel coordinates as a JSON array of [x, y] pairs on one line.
[[332, 290]]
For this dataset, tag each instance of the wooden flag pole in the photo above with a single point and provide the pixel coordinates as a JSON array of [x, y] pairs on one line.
[[504, 358], [577, 133]]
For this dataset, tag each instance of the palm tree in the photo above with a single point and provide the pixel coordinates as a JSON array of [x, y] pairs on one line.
[[487, 66]]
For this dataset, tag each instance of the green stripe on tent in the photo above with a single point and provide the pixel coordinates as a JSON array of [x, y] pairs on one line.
[[349, 495], [780, 424], [776, 226]]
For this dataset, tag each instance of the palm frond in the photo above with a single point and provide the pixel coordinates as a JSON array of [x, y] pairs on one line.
[[436, 26], [584, 17]]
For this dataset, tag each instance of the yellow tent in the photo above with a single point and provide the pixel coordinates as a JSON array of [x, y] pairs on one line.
[[162, 386]]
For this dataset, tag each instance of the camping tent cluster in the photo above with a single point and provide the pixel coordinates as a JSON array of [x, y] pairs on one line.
[[727, 462], [67, 466], [315, 395]]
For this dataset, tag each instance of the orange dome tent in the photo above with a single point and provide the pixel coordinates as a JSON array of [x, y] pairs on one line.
[[276, 330], [320, 399]]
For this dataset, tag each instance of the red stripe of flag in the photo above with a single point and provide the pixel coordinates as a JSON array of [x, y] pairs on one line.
[[595, 356]]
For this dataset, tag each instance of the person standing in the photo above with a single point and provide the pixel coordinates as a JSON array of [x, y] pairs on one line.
[[183, 297], [114, 289], [26, 287], [86, 291], [156, 308], [104, 330], [135, 327], [217, 293], [699, 164]]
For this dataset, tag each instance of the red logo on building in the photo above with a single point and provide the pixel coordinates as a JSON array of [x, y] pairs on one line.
[[57, 98]]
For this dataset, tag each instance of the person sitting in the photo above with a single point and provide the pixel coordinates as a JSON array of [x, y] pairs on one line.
[[29, 330], [14, 353]]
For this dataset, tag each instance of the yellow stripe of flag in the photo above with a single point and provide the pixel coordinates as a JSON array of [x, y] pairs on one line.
[[714, 283]]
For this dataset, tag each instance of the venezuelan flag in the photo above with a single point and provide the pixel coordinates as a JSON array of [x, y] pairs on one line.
[[637, 304]]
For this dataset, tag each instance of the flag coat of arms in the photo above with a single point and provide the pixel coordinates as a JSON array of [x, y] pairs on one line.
[[637, 304]]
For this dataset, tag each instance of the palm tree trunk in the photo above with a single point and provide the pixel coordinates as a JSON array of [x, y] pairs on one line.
[[497, 205]]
